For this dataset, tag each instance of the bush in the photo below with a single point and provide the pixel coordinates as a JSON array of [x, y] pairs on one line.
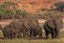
[[48, 13], [60, 6], [7, 13]]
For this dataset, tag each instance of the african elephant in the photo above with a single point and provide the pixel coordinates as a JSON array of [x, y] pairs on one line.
[[9, 32], [17, 28], [35, 29], [19, 25], [53, 26]]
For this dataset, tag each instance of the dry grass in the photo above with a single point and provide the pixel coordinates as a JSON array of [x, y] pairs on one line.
[[33, 41], [61, 40]]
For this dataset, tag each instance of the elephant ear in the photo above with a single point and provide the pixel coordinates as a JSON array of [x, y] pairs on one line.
[[51, 24]]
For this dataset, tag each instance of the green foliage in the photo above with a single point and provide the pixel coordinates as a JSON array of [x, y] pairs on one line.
[[7, 4], [2, 11], [16, 13], [5, 12]]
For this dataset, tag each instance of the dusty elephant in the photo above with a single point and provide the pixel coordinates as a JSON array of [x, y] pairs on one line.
[[35, 29], [53, 26], [9, 32], [19, 25]]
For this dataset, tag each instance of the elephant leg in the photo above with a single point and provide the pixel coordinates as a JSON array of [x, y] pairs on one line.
[[12, 36], [5, 36], [34, 34], [31, 33], [53, 34], [57, 34], [25, 35], [19, 35], [28, 34], [46, 35], [40, 34]]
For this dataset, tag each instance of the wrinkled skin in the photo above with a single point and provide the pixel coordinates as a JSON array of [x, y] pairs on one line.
[[53, 26]]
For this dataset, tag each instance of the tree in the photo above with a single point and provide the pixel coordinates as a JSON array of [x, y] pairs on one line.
[[7, 9], [8, 6], [6, 13]]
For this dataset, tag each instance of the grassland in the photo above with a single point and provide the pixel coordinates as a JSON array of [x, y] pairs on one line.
[[60, 40]]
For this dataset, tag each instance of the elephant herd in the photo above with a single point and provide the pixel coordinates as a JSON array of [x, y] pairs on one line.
[[30, 28]]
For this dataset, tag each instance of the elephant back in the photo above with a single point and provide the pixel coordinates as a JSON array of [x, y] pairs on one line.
[[16, 24], [54, 23], [50, 23]]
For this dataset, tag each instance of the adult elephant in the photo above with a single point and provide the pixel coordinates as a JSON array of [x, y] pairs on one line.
[[19, 25], [53, 26], [8, 32], [35, 29], [15, 29]]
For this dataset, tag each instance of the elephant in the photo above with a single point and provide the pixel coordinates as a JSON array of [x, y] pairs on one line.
[[16, 29], [32, 28], [35, 29], [9, 32], [23, 27], [53, 26]]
